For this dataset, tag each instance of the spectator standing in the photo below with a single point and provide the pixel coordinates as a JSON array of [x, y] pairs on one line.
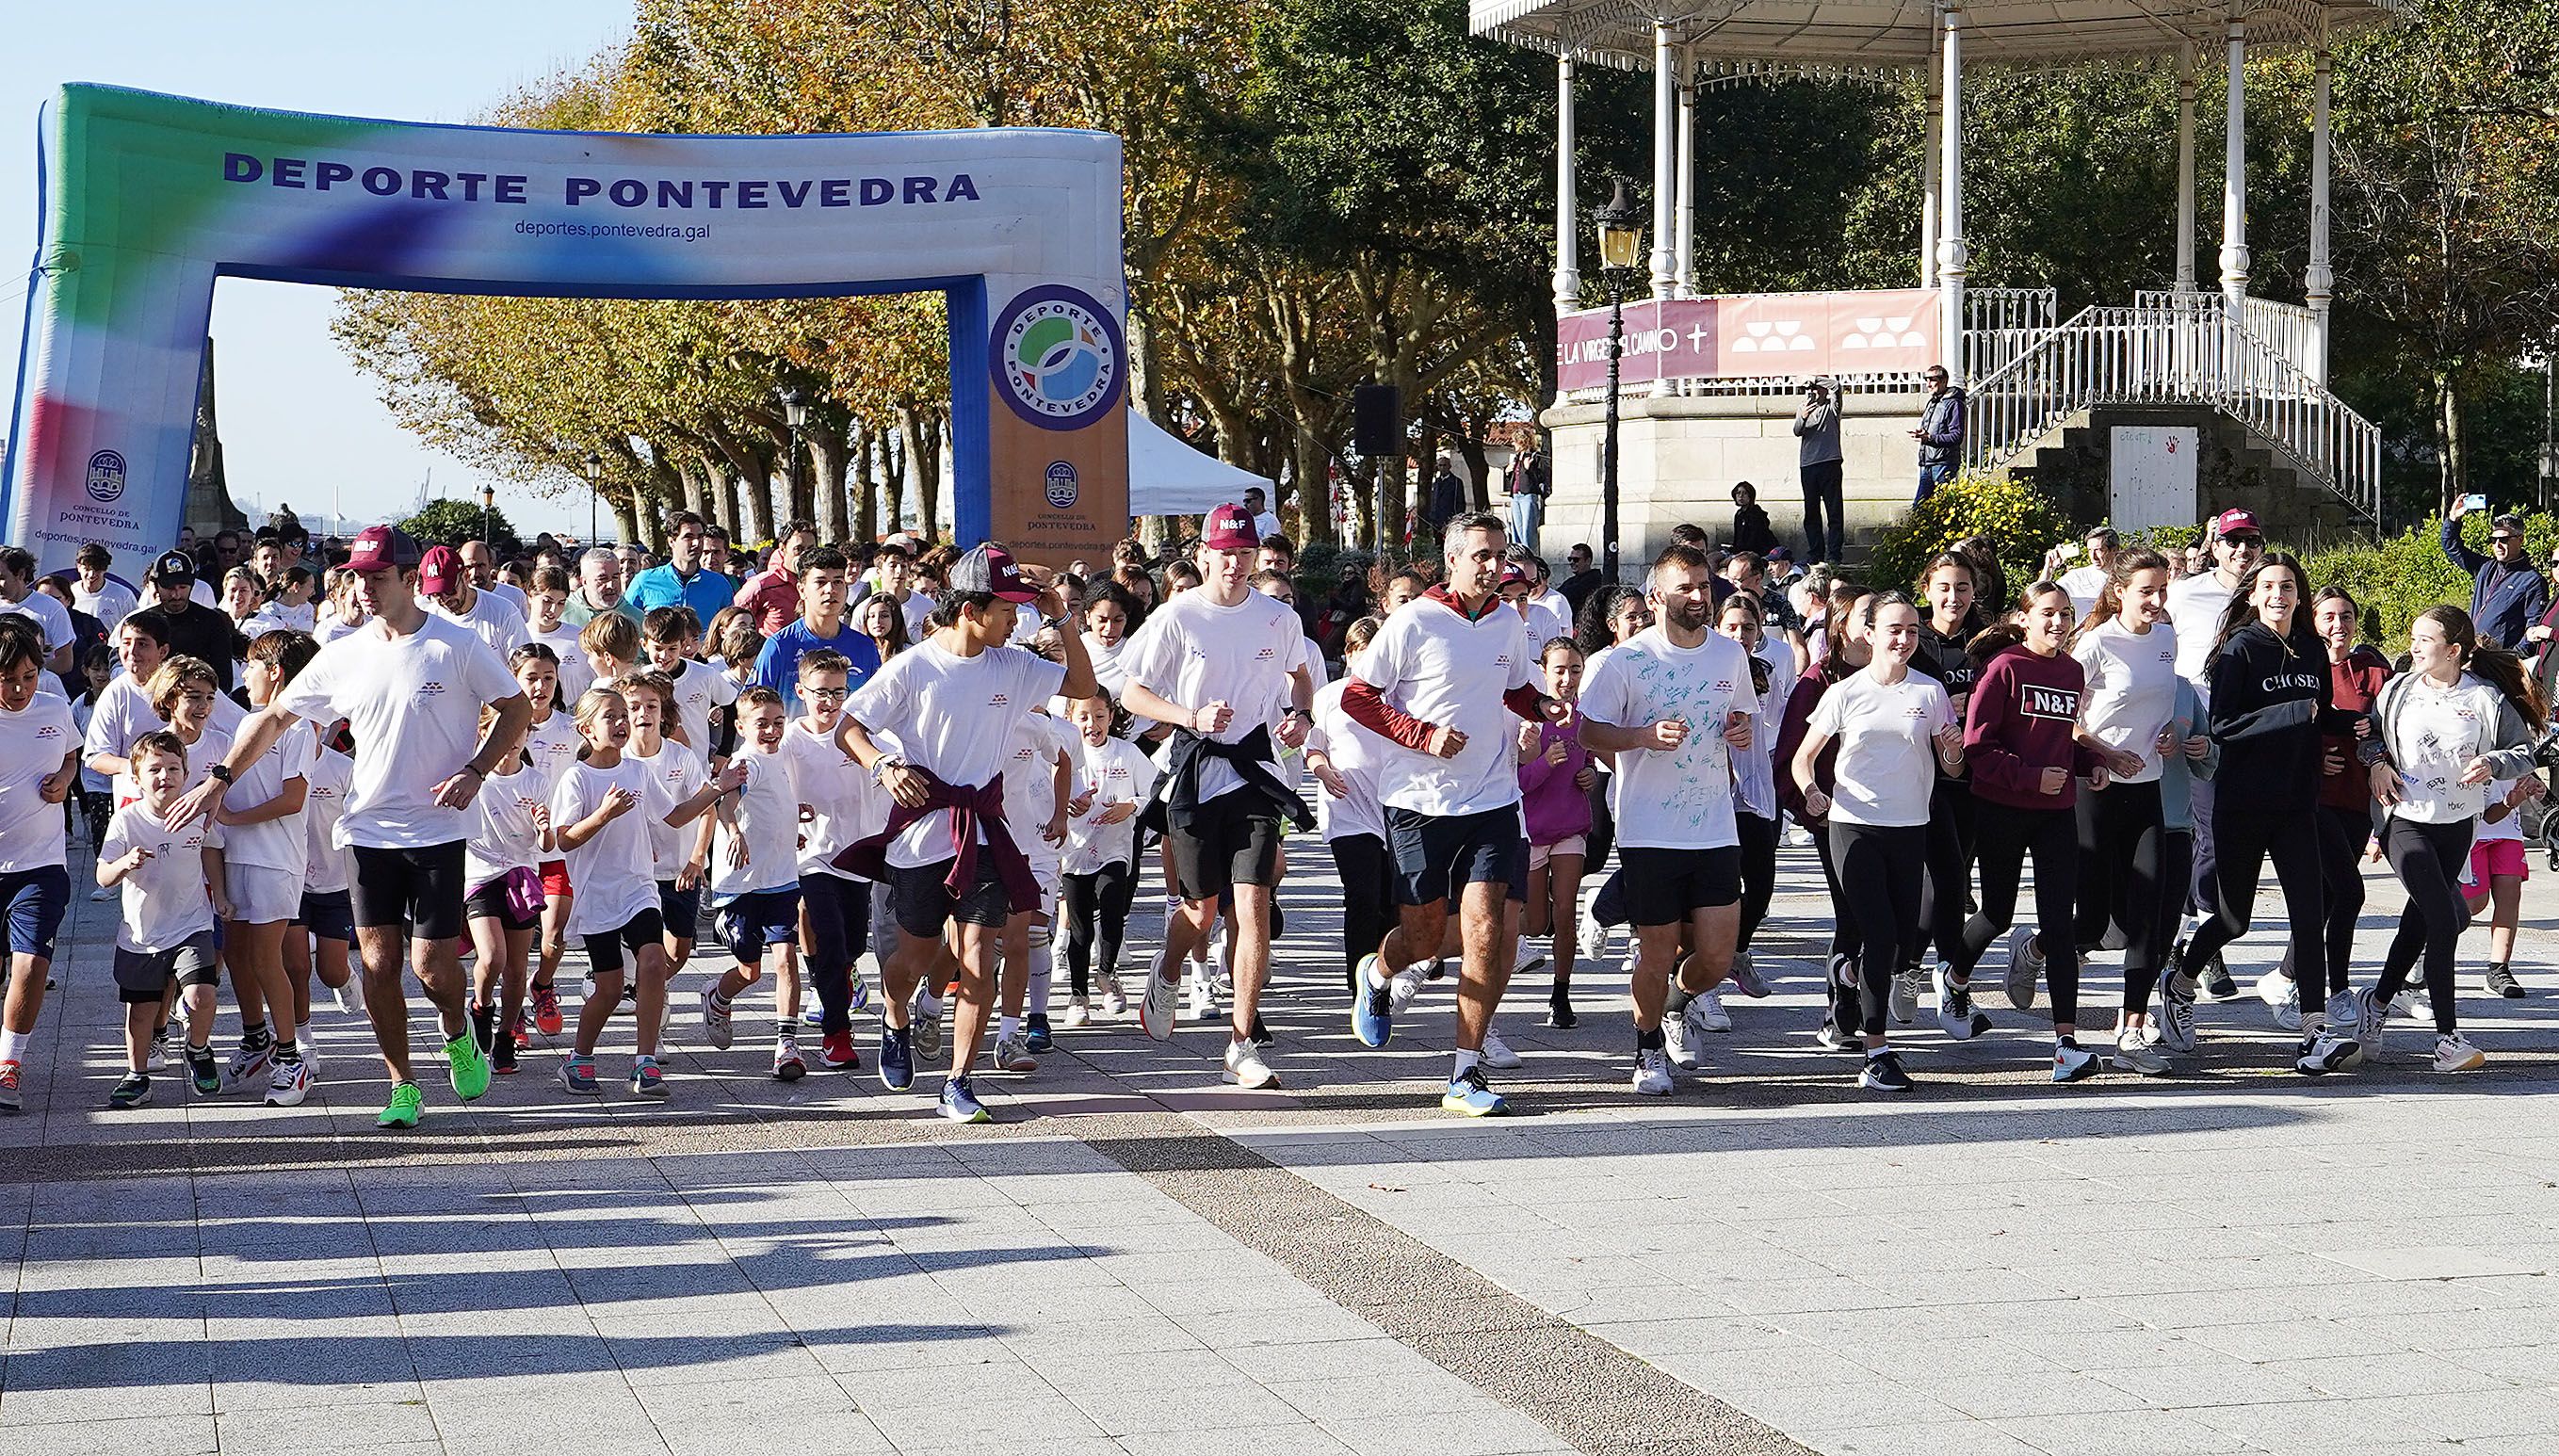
[[1818, 465], [773, 593], [1530, 483], [1584, 580], [1448, 495], [1940, 433], [2507, 597]]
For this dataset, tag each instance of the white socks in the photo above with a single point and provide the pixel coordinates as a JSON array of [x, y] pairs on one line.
[[1465, 1063], [13, 1045]]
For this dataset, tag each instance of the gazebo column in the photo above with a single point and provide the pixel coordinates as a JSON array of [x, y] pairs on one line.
[[2235, 178], [1934, 128], [1568, 248], [1951, 253], [1687, 163], [2317, 280], [1665, 258], [2185, 89]]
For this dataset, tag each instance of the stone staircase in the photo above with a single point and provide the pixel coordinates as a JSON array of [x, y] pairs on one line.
[[2235, 466]]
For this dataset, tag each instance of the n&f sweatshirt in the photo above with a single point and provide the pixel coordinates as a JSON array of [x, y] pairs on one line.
[[2023, 719]]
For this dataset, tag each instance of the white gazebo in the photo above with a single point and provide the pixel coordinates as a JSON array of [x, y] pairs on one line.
[[2261, 363]]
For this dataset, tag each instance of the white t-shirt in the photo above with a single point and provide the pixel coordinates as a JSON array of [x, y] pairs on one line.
[[700, 689], [2509, 827], [1678, 799], [612, 872], [1114, 772], [1030, 784], [514, 594], [1194, 653], [552, 742], [942, 708], [278, 617], [331, 629], [50, 616], [503, 838], [275, 845], [165, 898], [576, 674], [1110, 672], [330, 778], [413, 703], [1429, 662], [767, 810], [844, 805], [1888, 762], [675, 773], [1545, 624], [916, 608], [1355, 754], [1267, 525], [2132, 689], [33, 744], [110, 604], [2083, 583], [2195, 608], [491, 619]]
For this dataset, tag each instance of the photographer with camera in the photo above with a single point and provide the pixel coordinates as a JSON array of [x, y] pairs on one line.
[[1817, 461]]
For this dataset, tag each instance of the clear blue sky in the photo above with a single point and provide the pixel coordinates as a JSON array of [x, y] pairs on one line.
[[298, 423]]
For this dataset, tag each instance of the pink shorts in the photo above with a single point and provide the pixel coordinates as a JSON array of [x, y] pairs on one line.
[[1538, 854], [2489, 857]]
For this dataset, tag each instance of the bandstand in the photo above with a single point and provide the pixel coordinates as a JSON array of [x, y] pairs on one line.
[[1710, 381]]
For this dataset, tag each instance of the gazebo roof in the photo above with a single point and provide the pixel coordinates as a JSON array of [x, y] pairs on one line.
[[1743, 37]]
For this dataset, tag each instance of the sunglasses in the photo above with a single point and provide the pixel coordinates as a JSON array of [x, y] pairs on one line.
[[2505, 540]]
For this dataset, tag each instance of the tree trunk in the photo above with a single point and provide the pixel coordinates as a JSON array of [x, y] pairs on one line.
[[1312, 466], [863, 483], [892, 481], [722, 482], [689, 472], [626, 515], [828, 459], [2453, 455], [920, 429]]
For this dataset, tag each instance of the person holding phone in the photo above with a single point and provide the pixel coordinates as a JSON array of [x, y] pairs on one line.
[[2507, 596], [1818, 465]]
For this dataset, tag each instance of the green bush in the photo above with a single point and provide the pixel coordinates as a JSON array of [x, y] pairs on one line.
[[2023, 521], [451, 523], [2405, 575]]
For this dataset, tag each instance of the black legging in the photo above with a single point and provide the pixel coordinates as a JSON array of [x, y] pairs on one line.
[[1603, 824], [1096, 915], [1879, 870], [1368, 896], [1758, 871], [2052, 836], [2430, 859], [2124, 881], [2244, 836], [2343, 834], [839, 912], [1843, 996], [1943, 899]]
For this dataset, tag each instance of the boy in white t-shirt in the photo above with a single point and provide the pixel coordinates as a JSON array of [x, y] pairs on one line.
[[548, 598], [264, 856], [39, 762], [674, 637], [1037, 768], [755, 879], [323, 934], [172, 883]]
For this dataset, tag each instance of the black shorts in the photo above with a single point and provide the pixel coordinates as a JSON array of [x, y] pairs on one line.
[[924, 905], [35, 900], [492, 902], [754, 921], [1664, 887], [328, 914], [1226, 845], [1437, 855], [418, 891], [144, 976], [682, 910], [604, 949]]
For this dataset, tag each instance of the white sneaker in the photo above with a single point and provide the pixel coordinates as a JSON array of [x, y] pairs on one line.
[[716, 1028], [1078, 1012], [310, 1050], [2456, 1054], [1220, 977], [2025, 968], [1709, 1012], [2322, 1051], [1404, 985], [1652, 1073], [1905, 995], [1676, 1033], [1497, 1053], [288, 1084], [1203, 997], [1013, 1054], [1156, 1013], [2275, 988], [2345, 1017], [1246, 1069], [1594, 939], [2133, 1053], [1115, 1002], [2286, 1002], [1529, 958]]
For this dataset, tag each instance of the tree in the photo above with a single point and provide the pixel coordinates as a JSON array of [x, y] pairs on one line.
[[451, 523]]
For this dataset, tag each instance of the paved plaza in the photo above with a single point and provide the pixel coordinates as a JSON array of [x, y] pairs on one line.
[[1136, 1259]]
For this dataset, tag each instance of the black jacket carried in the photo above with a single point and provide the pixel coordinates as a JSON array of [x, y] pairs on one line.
[[1943, 655], [2270, 703]]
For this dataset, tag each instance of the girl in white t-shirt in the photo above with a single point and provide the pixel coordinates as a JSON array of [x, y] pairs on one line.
[[511, 836], [324, 926], [1039, 801], [1343, 756], [1894, 729], [264, 853], [680, 841], [1113, 779], [551, 741], [2497, 870], [755, 881]]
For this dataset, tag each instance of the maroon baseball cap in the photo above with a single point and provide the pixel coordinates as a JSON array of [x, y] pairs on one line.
[[989, 570], [438, 570], [377, 547], [2236, 519], [1229, 529]]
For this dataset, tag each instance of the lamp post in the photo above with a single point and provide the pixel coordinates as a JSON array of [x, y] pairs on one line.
[[1621, 250], [795, 413], [487, 504], [594, 491]]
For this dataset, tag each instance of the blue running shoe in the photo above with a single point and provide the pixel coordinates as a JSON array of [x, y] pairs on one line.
[[959, 1103], [1035, 1033], [1371, 1011], [1468, 1093], [896, 1059]]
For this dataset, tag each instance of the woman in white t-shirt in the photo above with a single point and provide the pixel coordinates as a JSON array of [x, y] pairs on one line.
[[1895, 730], [264, 853]]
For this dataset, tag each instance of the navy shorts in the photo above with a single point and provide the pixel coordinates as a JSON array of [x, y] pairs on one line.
[[1437, 855], [756, 920], [36, 899], [1664, 887], [682, 910], [924, 905], [328, 914]]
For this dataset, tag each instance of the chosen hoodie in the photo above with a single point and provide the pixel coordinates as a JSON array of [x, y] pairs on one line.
[[2023, 719], [2269, 704]]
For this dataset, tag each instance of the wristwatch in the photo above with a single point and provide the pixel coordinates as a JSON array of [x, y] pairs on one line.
[[219, 772], [879, 769]]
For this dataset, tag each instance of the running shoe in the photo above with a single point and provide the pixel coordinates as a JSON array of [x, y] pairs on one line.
[[1013, 1054], [925, 1026], [522, 1038], [959, 1103], [2218, 983], [502, 1060], [1677, 1031], [1497, 1053], [1246, 1068], [897, 1057], [1468, 1093], [1652, 1073], [1035, 1033], [1957, 1016], [2025, 968], [160, 1055], [2275, 988], [2072, 1063], [2175, 1019], [578, 1074], [465, 1068], [1558, 1010], [716, 1021], [2456, 1054], [287, 1085], [2502, 982], [1115, 1002], [1830, 1038], [1529, 958], [546, 1010], [1709, 1014], [247, 1063], [648, 1082], [10, 1101], [2371, 1017], [1747, 978], [1079, 1013], [814, 1016], [406, 1106], [2322, 1052], [1372, 1008], [207, 1073], [1883, 1073], [1221, 979], [787, 1065], [2133, 1053], [1159, 1010], [1593, 939], [835, 1051], [857, 993], [132, 1091], [1905, 995], [1203, 997], [483, 1026]]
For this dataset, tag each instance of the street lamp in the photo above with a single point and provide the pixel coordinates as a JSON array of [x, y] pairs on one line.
[[594, 490], [795, 413], [1621, 246], [487, 504]]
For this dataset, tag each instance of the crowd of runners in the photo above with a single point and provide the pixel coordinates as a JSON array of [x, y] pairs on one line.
[[927, 785]]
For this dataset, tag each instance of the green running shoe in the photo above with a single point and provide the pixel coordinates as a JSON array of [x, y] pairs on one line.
[[468, 1067], [406, 1106]]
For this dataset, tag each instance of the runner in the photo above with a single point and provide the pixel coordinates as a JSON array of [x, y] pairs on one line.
[[1039, 801], [170, 872], [755, 880], [1844, 655], [2345, 822], [510, 837], [674, 638], [1555, 778], [679, 835], [1344, 759], [1114, 780], [1441, 682], [1949, 588], [1754, 779], [2196, 606], [39, 762], [822, 624], [410, 685], [264, 853], [1213, 661], [450, 593], [844, 807], [552, 742], [549, 627], [323, 933]]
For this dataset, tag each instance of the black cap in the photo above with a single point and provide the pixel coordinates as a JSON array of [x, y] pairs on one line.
[[174, 567]]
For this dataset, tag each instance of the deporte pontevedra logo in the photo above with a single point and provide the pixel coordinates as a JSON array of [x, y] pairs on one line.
[[1057, 357]]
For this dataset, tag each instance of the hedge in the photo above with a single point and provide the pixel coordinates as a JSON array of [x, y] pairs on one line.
[[2022, 521]]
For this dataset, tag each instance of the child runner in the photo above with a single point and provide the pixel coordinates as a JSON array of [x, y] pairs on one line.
[[1948, 589], [1555, 790], [680, 841], [551, 742], [549, 596], [700, 688], [503, 905], [1844, 654], [97, 791], [2496, 875], [610, 645], [755, 880], [264, 853], [844, 807], [1114, 777], [1343, 756], [1039, 799], [324, 926], [171, 873], [39, 762]]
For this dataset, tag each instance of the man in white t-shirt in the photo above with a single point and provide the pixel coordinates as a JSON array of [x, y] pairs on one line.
[[1256, 509], [2196, 607], [446, 584], [1444, 681], [411, 684], [1213, 661], [1670, 704], [480, 561], [99, 594], [18, 595], [948, 856], [2086, 583]]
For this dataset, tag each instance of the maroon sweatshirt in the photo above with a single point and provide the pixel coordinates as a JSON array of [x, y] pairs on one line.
[[2020, 722]]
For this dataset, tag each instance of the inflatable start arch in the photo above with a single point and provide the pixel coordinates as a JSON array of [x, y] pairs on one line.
[[149, 199]]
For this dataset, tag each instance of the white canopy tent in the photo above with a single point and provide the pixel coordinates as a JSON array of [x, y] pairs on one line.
[[1166, 477]]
